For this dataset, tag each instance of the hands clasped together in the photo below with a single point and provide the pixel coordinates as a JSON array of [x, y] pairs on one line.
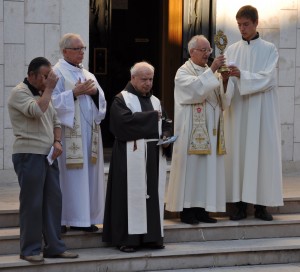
[[87, 87]]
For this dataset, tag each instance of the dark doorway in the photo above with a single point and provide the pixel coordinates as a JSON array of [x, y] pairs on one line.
[[123, 32]]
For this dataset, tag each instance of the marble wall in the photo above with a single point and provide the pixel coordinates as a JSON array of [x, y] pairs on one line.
[[31, 28]]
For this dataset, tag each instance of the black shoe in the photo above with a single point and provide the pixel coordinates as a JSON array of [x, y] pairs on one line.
[[188, 216], [157, 246], [63, 229], [153, 245], [190, 221], [262, 213], [238, 216], [127, 249], [207, 219], [203, 216], [241, 212], [92, 228]]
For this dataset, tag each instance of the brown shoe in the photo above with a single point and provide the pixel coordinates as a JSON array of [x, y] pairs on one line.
[[64, 255], [32, 258]]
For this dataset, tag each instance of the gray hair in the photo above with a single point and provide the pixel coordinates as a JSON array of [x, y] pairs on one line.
[[67, 39], [139, 66], [194, 40]]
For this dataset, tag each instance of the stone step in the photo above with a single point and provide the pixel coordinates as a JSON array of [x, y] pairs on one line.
[[187, 255], [295, 267], [10, 218], [284, 225], [9, 193]]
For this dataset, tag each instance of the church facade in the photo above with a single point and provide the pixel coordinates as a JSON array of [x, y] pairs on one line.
[[31, 28]]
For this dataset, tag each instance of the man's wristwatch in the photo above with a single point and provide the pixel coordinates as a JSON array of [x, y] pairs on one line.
[[59, 141]]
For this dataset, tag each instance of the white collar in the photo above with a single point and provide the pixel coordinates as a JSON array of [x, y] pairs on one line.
[[69, 66]]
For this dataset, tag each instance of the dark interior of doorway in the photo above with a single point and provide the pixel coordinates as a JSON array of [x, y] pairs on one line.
[[133, 33]]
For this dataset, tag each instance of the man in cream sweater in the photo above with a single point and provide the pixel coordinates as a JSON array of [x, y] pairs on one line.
[[38, 132]]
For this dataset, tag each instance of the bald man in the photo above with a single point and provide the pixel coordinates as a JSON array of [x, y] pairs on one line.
[[197, 175], [135, 192]]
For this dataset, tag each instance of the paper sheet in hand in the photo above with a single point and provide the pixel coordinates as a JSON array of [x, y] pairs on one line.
[[168, 140], [49, 157]]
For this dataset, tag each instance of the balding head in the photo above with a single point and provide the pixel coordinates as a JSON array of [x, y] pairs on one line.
[[142, 74], [67, 39], [140, 67], [193, 43], [199, 50]]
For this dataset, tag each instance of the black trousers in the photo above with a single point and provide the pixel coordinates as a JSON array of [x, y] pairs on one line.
[[40, 204]]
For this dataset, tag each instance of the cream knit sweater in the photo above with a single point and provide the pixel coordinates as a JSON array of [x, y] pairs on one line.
[[32, 128]]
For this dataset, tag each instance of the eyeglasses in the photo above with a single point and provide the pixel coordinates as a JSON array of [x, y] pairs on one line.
[[78, 49], [205, 50]]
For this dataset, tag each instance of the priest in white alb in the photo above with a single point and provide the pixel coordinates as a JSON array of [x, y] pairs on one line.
[[197, 176], [80, 105]]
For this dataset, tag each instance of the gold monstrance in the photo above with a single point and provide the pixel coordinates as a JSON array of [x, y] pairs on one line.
[[221, 42]]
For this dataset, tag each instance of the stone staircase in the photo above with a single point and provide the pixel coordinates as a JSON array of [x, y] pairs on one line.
[[247, 245]]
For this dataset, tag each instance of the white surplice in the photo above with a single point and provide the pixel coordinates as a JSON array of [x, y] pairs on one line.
[[252, 124], [83, 190], [196, 180]]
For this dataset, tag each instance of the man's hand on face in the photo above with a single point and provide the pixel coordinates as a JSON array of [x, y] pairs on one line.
[[51, 80]]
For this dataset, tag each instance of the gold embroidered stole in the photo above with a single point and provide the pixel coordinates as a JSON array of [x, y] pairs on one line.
[[73, 138], [73, 141], [199, 138], [95, 142], [95, 132], [221, 149]]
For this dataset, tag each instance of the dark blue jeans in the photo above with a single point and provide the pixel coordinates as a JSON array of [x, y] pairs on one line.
[[40, 204]]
